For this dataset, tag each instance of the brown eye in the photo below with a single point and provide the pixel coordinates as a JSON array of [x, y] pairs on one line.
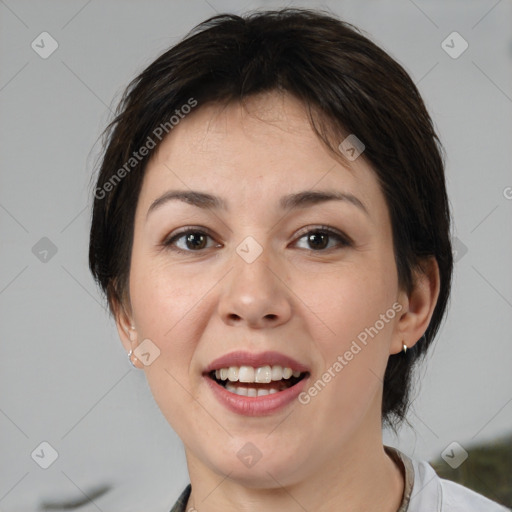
[[195, 241], [188, 241], [318, 239]]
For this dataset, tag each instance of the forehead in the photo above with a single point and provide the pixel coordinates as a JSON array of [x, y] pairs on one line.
[[262, 149], [234, 131]]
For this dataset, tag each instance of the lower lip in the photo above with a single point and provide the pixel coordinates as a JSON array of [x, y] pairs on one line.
[[257, 405]]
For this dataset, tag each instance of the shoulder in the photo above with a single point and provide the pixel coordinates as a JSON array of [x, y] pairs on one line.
[[435, 493], [457, 498]]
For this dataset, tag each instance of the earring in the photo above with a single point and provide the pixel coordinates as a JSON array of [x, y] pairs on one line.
[[130, 358], [133, 337], [405, 348]]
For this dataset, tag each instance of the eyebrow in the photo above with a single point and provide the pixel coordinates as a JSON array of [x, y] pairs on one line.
[[299, 200]]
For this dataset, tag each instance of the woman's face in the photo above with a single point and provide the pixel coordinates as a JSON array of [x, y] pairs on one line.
[[260, 280]]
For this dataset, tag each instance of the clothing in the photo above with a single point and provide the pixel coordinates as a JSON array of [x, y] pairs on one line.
[[424, 491]]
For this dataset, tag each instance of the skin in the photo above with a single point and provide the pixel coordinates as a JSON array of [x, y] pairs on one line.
[[305, 302]]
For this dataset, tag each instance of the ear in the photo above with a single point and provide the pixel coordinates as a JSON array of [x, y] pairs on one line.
[[418, 306], [123, 324], [123, 318]]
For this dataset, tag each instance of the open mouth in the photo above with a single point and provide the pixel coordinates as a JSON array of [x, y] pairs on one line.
[[254, 382]]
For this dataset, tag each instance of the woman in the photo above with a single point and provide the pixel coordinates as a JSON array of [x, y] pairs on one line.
[[272, 232]]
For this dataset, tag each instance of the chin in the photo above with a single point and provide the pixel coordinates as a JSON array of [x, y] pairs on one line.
[[255, 469]]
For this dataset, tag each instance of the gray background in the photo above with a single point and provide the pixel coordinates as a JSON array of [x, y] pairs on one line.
[[64, 377]]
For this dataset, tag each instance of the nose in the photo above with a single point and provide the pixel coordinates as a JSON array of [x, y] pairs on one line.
[[255, 295]]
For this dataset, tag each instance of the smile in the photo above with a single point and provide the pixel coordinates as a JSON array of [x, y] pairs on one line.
[[255, 382]]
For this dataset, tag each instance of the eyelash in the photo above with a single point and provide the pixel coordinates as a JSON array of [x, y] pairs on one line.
[[343, 240]]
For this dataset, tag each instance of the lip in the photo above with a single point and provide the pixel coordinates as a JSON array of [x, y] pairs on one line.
[[258, 405], [242, 358]]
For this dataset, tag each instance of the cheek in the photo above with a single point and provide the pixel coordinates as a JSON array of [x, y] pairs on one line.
[[347, 300], [166, 309], [354, 333], [162, 298]]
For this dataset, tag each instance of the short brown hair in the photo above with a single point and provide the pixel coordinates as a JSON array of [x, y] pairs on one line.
[[349, 86]]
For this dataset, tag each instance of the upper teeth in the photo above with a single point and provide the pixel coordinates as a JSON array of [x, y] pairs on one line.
[[263, 374]]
